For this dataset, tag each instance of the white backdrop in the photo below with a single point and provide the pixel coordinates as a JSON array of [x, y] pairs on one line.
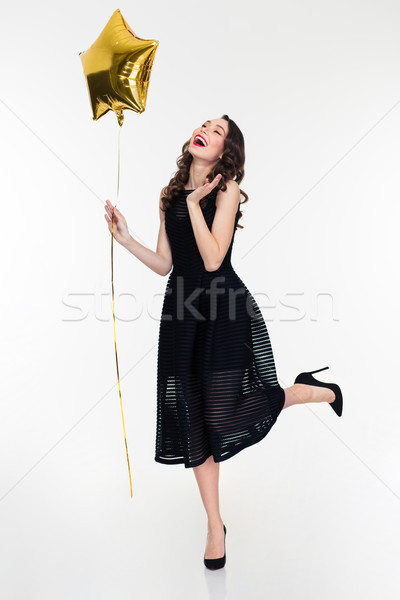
[[312, 511]]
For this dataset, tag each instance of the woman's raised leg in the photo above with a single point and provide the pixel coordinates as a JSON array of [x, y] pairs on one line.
[[207, 476], [300, 393]]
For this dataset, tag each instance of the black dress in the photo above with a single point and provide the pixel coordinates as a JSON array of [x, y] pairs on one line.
[[217, 389]]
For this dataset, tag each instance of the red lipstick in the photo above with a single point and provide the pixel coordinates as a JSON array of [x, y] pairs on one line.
[[199, 145]]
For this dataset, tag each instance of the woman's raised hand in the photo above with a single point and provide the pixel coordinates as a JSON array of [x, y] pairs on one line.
[[120, 226], [203, 190]]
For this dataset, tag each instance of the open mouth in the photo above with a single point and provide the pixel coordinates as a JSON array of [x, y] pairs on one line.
[[199, 141]]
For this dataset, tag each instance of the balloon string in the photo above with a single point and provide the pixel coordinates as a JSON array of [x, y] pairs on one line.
[[119, 146], [112, 286]]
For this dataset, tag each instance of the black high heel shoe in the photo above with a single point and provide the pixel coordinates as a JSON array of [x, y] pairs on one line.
[[216, 563], [308, 379]]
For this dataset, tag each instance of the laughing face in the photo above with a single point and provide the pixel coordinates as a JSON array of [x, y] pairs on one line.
[[208, 141]]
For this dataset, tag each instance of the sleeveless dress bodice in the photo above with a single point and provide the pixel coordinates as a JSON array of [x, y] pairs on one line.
[[186, 257]]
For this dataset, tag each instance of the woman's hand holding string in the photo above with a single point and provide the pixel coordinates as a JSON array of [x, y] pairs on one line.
[[120, 226]]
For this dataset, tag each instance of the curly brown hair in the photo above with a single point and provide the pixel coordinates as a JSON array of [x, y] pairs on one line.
[[231, 166]]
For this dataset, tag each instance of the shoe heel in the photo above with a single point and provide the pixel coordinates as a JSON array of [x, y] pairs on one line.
[[318, 370]]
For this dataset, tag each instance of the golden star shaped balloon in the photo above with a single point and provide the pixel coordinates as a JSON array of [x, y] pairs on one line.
[[117, 68]]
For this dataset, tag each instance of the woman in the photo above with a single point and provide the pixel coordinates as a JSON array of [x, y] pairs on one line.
[[217, 389]]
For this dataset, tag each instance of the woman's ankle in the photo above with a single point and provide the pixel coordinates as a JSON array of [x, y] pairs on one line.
[[215, 525]]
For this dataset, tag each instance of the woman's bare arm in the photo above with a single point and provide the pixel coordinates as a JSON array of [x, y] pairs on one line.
[[213, 245], [159, 261]]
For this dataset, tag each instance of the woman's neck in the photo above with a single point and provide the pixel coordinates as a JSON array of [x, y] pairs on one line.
[[197, 175]]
